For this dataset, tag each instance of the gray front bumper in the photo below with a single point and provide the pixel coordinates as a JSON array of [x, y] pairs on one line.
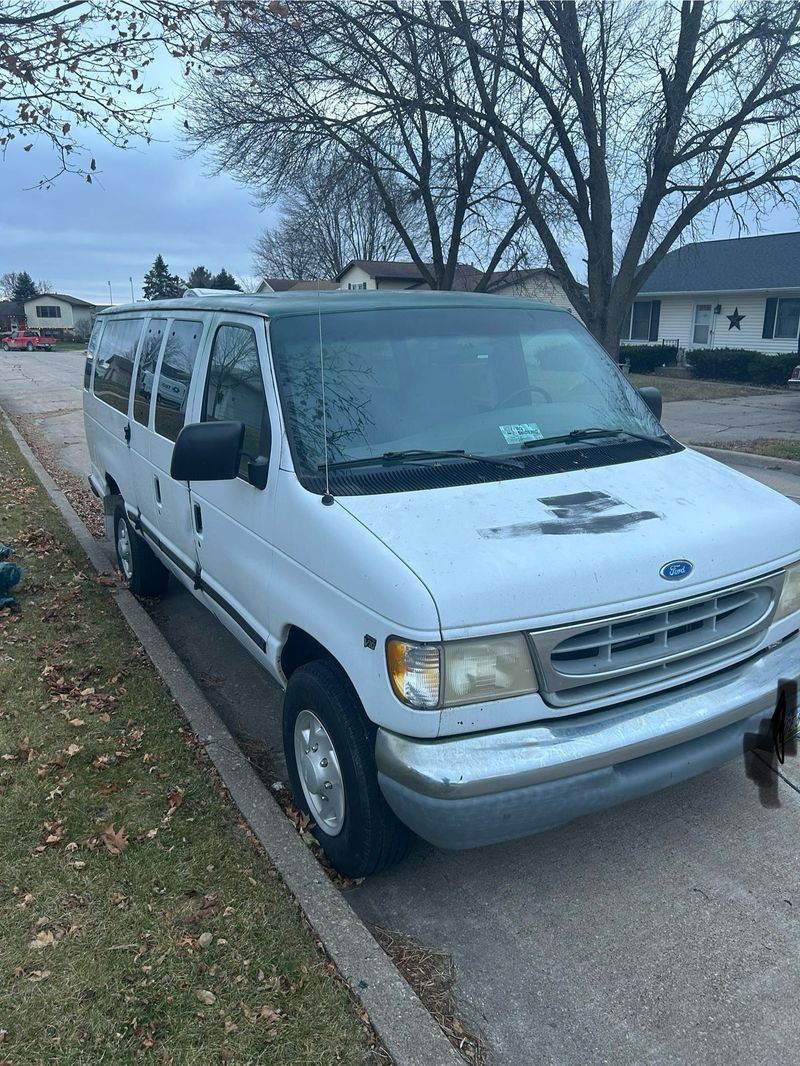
[[465, 791]]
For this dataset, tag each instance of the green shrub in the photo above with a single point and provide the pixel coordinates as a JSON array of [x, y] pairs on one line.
[[645, 358], [741, 364]]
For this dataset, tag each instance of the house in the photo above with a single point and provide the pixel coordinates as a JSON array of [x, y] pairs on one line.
[[295, 285], [11, 316], [739, 293], [391, 274], [59, 314], [276, 284], [539, 283]]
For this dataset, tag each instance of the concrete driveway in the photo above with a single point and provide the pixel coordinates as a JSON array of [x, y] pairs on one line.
[[662, 932]]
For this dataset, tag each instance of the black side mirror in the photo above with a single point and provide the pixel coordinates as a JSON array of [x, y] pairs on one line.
[[207, 451], [257, 470], [652, 397]]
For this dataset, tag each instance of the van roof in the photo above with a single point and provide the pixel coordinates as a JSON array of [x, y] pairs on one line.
[[283, 304]]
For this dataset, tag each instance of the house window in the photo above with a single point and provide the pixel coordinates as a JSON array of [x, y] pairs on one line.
[[642, 321], [48, 311], [701, 333], [356, 284], [781, 318]]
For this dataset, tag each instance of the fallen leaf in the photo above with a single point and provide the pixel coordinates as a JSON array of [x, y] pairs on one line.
[[205, 996], [73, 749], [115, 841], [204, 940], [44, 939]]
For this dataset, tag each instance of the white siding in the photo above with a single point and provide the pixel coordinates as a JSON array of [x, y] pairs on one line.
[[676, 322], [539, 287], [66, 321], [356, 276]]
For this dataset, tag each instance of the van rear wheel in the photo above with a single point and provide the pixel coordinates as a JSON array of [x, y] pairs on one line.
[[329, 744], [146, 575]]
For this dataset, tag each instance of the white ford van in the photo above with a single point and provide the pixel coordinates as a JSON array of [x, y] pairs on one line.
[[497, 593]]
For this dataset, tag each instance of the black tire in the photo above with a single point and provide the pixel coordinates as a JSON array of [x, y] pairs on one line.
[[146, 575], [28, 347], [6, 348], [371, 837]]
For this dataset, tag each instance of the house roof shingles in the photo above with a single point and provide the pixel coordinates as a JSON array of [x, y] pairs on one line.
[[768, 262]]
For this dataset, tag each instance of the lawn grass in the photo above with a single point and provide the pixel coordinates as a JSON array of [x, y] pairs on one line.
[[140, 920], [776, 447], [690, 389], [70, 346]]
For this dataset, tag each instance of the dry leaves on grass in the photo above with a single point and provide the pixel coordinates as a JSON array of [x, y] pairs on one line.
[[115, 840]]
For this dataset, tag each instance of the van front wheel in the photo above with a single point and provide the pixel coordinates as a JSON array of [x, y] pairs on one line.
[[329, 744], [146, 575]]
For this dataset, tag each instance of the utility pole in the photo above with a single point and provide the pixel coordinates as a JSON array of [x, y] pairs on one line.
[[110, 296], [133, 298]]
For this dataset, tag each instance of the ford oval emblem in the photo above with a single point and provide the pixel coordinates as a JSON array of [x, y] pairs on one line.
[[676, 570]]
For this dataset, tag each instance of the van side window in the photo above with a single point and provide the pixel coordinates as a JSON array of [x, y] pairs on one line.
[[115, 357], [147, 369], [91, 352], [235, 391], [175, 376]]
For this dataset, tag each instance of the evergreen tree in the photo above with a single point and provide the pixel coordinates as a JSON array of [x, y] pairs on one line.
[[200, 278], [224, 280], [24, 288], [159, 284]]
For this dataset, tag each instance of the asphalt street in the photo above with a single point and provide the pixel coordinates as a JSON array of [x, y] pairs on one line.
[[661, 932]]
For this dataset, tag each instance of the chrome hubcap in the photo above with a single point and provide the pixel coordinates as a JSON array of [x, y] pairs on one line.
[[124, 551], [320, 776]]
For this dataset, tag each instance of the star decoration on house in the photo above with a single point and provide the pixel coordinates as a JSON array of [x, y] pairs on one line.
[[735, 319]]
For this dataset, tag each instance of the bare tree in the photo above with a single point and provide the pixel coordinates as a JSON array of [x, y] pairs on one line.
[[73, 65], [348, 78], [331, 216], [634, 121]]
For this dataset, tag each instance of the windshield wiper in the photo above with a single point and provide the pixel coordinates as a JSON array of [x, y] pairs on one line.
[[416, 455], [597, 431]]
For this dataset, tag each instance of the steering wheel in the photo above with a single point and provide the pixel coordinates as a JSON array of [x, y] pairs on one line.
[[524, 391]]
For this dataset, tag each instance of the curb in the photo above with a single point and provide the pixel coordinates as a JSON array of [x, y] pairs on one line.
[[404, 1026], [762, 462]]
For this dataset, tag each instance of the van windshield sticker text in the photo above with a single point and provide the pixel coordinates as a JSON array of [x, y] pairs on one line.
[[520, 432]]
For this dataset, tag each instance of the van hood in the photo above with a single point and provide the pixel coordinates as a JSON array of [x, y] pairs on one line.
[[541, 551]]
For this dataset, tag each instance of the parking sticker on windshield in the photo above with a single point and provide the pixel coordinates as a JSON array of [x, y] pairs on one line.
[[520, 432]]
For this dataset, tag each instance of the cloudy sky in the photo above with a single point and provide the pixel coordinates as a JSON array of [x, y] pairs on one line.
[[143, 201]]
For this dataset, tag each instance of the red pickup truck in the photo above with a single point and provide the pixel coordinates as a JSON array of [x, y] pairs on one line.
[[27, 339]]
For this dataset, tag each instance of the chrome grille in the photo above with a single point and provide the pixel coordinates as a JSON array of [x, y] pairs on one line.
[[612, 656]]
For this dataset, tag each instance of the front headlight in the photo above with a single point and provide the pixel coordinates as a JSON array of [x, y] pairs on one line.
[[790, 594], [427, 676]]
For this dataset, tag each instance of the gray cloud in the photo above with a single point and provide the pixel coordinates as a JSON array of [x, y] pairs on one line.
[[143, 201]]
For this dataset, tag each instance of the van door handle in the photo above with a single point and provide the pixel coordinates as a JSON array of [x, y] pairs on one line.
[[198, 519], [127, 432], [157, 486]]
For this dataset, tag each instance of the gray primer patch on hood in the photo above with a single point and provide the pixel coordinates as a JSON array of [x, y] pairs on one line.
[[581, 512]]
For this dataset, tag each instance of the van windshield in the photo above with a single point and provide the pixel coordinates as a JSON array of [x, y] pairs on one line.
[[491, 382]]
